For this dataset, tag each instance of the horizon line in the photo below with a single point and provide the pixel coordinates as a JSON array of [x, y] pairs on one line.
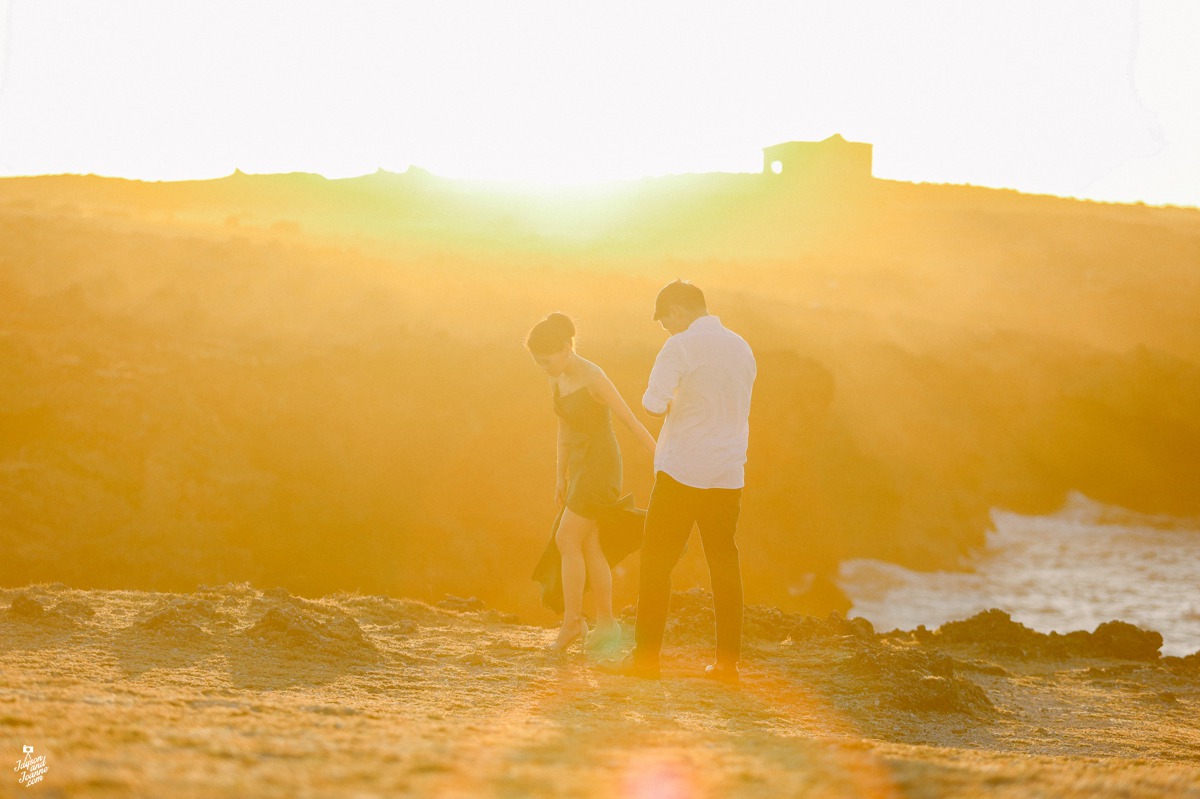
[[535, 185]]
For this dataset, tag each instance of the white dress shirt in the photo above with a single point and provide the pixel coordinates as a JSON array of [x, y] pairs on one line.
[[705, 374]]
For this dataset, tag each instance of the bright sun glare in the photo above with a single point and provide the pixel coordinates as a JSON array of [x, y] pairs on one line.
[[1065, 98]]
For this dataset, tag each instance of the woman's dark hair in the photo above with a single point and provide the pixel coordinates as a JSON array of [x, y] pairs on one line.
[[551, 334]]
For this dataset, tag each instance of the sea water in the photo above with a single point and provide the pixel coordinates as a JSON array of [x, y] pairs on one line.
[[1073, 570]]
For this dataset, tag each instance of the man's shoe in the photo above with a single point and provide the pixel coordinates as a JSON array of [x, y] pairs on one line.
[[720, 672], [631, 667]]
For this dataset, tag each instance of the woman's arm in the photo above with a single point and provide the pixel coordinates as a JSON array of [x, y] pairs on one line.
[[560, 470], [607, 392]]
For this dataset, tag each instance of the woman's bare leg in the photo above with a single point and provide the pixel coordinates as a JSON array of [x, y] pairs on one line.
[[572, 531], [600, 576]]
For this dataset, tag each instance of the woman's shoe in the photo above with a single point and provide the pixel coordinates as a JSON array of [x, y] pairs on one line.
[[604, 640], [581, 632]]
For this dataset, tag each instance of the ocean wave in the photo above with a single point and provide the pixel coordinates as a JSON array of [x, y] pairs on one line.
[[1072, 570]]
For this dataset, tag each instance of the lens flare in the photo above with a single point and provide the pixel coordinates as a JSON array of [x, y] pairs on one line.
[[654, 777]]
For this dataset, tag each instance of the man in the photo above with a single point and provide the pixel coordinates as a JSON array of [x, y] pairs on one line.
[[701, 383]]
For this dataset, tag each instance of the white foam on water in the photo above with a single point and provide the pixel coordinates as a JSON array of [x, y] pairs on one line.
[[1073, 570]]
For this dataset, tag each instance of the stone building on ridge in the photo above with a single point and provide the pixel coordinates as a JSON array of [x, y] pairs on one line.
[[833, 160]]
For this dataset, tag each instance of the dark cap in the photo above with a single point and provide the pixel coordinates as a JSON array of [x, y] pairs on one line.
[[681, 293]]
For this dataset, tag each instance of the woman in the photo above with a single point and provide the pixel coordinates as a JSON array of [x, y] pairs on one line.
[[589, 477]]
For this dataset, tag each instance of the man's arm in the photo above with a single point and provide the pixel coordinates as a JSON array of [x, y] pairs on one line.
[[664, 379]]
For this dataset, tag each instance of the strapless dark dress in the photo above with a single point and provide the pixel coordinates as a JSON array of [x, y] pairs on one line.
[[593, 489]]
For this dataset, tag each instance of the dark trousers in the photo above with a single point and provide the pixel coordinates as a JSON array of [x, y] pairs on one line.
[[673, 509]]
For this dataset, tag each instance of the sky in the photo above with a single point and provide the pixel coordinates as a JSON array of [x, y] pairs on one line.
[[1087, 98]]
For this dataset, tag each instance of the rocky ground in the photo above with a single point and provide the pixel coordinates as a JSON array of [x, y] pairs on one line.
[[235, 691]]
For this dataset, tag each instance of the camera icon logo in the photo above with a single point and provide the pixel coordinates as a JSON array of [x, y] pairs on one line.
[[27, 750]]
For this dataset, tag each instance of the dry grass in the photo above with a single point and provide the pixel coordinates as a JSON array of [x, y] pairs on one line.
[[159, 695]]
